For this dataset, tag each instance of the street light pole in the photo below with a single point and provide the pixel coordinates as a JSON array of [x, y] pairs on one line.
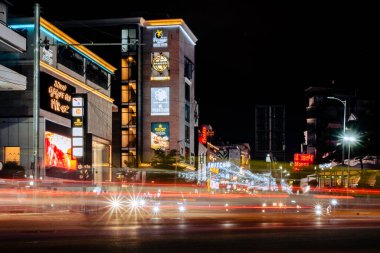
[[349, 139], [344, 102], [348, 165], [36, 85]]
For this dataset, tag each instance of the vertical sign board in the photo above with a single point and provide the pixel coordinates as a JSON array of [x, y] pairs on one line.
[[78, 125]]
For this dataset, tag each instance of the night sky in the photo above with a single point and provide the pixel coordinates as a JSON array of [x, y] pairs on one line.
[[253, 52]]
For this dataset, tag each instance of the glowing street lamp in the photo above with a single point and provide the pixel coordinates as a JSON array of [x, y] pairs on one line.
[[349, 139]]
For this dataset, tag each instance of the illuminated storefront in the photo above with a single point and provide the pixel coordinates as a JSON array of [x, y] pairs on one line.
[[75, 121]]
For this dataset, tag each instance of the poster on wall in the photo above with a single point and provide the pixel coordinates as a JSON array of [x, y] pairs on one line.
[[58, 151], [12, 154], [159, 101], [160, 66], [160, 38], [160, 136]]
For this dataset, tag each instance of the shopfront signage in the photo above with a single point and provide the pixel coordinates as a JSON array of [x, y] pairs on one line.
[[160, 63], [160, 38], [160, 66], [303, 160], [78, 120], [56, 95]]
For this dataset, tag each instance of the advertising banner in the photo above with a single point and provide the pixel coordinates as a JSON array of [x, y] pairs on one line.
[[160, 136], [159, 101]]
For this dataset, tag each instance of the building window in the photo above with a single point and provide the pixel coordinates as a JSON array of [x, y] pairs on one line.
[[128, 40], [124, 116], [187, 92], [128, 68], [132, 92], [188, 72], [70, 59], [124, 93], [187, 134], [128, 159], [124, 139], [128, 93], [187, 113], [128, 116]]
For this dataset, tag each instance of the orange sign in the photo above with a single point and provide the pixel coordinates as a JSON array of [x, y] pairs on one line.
[[303, 160]]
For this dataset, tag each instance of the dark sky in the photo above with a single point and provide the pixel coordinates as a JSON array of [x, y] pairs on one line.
[[256, 52]]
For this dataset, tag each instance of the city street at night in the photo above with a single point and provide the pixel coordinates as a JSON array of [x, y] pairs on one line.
[[209, 222]]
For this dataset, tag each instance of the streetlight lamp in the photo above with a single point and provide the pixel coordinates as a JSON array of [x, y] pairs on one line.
[[349, 139], [344, 102]]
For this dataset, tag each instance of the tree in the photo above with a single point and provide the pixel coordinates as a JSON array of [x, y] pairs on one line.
[[163, 160]]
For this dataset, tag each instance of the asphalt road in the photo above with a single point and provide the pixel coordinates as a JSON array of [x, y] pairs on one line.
[[229, 232], [76, 221]]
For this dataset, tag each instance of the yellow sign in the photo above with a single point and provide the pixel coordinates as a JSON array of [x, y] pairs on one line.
[[214, 170], [12, 154], [160, 63], [78, 122]]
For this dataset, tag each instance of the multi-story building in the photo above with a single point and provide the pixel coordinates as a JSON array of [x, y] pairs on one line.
[[155, 96], [12, 45], [324, 119], [75, 107], [269, 132]]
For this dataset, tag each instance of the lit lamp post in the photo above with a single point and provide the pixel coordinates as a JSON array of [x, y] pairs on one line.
[[344, 102], [349, 139]]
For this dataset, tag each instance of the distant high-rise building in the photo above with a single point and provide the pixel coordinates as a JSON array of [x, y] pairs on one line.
[[269, 132]]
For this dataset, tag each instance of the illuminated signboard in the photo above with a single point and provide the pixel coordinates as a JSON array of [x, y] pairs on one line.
[[160, 38], [203, 137], [58, 151], [160, 66], [303, 160], [78, 124], [160, 136], [159, 101], [47, 56], [12, 154], [55, 95]]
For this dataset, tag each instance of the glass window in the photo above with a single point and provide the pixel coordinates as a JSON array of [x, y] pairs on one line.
[[188, 72], [124, 116], [124, 93], [187, 134], [132, 92], [124, 139], [187, 92], [187, 113]]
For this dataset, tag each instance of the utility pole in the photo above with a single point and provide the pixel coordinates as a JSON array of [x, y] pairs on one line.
[[36, 90]]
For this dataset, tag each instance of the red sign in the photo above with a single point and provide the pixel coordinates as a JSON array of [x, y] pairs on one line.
[[303, 160], [203, 137]]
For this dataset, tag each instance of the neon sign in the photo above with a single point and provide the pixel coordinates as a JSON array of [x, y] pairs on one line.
[[56, 95], [160, 63], [303, 160]]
